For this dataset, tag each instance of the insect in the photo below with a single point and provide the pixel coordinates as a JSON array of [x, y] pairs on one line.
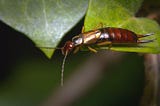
[[103, 36]]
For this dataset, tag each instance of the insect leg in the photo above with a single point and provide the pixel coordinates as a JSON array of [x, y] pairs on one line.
[[92, 50], [100, 25], [104, 43], [83, 30], [76, 50]]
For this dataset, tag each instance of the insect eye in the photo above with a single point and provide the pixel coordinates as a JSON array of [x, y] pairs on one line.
[[71, 45]]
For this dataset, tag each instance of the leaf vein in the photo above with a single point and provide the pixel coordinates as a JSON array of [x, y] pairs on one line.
[[45, 18]]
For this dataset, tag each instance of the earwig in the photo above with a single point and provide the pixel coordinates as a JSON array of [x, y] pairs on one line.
[[102, 36]]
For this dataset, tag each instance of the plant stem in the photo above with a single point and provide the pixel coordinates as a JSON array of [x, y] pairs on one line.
[[150, 93]]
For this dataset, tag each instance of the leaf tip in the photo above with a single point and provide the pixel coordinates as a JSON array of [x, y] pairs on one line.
[[48, 52]]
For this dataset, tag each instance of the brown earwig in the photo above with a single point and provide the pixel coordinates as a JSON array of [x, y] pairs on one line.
[[104, 36]]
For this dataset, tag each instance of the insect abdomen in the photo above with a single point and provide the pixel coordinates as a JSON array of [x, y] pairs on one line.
[[119, 35]]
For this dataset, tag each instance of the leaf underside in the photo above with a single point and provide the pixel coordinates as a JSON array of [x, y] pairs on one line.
[[121, 14]]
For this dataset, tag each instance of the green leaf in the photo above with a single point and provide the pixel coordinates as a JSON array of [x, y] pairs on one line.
[[45, 22], [121, 14]]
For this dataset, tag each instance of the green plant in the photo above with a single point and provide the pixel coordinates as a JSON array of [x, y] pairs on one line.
[[46, 22]]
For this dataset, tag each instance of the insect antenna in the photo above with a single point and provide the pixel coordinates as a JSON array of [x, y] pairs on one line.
[[63, 63], [62, 70]]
